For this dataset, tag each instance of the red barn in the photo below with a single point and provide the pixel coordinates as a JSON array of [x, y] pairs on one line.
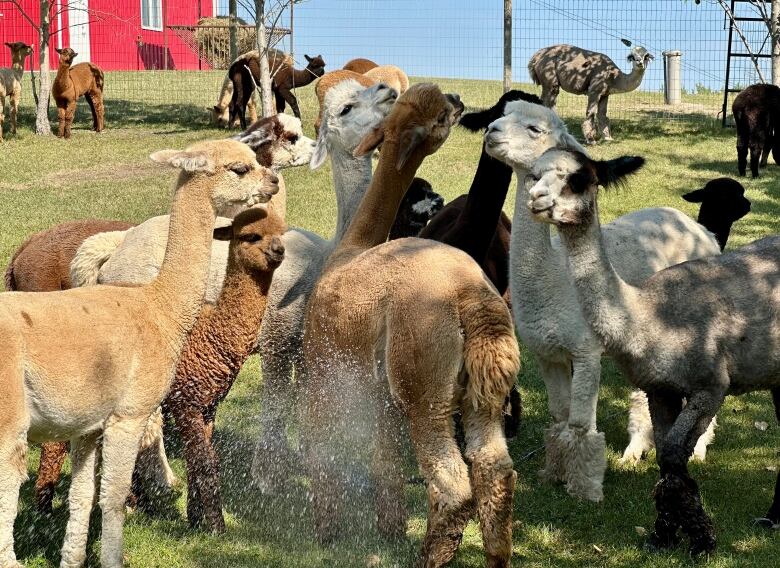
[[113, 34]]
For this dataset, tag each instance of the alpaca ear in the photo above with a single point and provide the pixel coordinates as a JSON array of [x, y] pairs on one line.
[[695, 196], [187, 161], [626, 42], [256, 138], [476, 121], [370, 141], [410, 140], [320, 153], [307, 58], [614, 172], [223, 233], [57, 49]]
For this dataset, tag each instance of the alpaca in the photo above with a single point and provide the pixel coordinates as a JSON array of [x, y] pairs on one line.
[[220, 111], [84, 79], [359, 65], [96, 362], [424, 333], [426, 203], [544, 301], [700, 330], [219, 344], [756, 117], [583, 72], [331, 79], [245, 74], [722, 202], [11, 82], [391, 76]]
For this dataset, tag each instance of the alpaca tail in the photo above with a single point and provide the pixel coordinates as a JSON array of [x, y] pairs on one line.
[[532, 68], [92, 255], [490, 350], [99, 77]]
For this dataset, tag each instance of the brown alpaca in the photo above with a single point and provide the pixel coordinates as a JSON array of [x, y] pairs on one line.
[[359, 65], [409, 328], [84, 79], [96, 362], [42, 262], [219, 344], [11, 82]]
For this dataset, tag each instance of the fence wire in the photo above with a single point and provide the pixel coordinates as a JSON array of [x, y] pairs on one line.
[[167, 57]]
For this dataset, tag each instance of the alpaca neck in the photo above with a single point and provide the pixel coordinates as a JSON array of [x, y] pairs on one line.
[[351, 178], [302, 77], [17, 66], [378, 208], [626, 82], [608, 303], [63, 76], [476, 224], [180, 286]]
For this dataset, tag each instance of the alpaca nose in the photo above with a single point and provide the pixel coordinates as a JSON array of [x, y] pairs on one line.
[[277, 247]]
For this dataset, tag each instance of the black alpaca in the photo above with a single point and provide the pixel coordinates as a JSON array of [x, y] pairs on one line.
[[756, 113]]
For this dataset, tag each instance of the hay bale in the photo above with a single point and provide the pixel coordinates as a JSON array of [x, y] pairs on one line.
[[213, 39]]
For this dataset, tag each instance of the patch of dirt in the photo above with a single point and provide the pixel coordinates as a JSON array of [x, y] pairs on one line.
[[112, 172]]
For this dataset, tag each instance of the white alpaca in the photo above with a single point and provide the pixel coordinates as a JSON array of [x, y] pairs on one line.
[[545, 303]]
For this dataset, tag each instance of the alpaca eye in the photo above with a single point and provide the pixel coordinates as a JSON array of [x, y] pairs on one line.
[[345, 110], [250, 238], [293, 138], [240, 169], [534, 129]]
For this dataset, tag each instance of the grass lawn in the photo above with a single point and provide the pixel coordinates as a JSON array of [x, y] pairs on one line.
[[46, 180]]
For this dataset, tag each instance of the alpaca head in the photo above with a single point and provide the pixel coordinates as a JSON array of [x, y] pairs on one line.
[[278, 141], [19, 50], [255, 239], [67, 55], [525, 132], [229, 168], [639, 57], [722, 201], [476, 121], [419, 123], [419, 205], [316, 65], [563, 184], [350, 111]]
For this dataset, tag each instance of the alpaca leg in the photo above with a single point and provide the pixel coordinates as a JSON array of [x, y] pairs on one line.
[[773, 515], [53, 455], [768, 143], [251, 108], [13, 471], [756, 148], [204, 505], [70, 112], [15, 110], [279, 101], [2, 116], [98, 110], [292, 101], [450, 502], [602, 118], [550, 94], [584, 447], [153, 478], [60, 121], [742, 151], [640, 428], [492, 480], [387, 473], [557, 380], [589, 124], [677, 494], [81, 499], [121, 440]]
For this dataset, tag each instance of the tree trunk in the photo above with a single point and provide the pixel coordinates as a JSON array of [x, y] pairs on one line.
[[232, 22], [42, 125], [774, 30], [266, 95], [508, 45]]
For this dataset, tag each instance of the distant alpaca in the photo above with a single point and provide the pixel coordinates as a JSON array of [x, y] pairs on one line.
[[757, 115], [583, 72], [391, 76], [722, 202], [700, 330], [246, 73], [359, 65], [425, 204], [11, 82], [544, 301], [84, 79], [98, 361], [218, 345]]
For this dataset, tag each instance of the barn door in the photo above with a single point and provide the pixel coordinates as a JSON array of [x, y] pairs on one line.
[[78, 19]]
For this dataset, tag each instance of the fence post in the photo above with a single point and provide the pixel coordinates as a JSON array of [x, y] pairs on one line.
[[508, 45], [232, 21], [672, 80], [774, 30]]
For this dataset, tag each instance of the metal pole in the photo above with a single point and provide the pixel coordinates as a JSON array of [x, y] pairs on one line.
[[292, 30], [507, 45]]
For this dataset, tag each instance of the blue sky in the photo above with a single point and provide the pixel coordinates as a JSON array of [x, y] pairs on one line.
[[464, 38]]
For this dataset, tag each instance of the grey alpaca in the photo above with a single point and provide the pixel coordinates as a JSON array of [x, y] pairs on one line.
[[583, 72], [699, 330]]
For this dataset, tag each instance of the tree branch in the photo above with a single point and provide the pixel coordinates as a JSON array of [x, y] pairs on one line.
[[745, 42]]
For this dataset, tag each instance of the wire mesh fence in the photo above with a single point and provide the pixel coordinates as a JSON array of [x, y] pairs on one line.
[[163, 57]]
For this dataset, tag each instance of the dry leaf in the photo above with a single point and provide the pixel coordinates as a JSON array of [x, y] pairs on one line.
[[761, 425], [772, 468], [373, 560], [597, 549], [641, 531]]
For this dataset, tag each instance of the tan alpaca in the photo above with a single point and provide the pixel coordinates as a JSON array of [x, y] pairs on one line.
[[410, 328], [11, 82], [84, 79], [390, 75], [80, 363]]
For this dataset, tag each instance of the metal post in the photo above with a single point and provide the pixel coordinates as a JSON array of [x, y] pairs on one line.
[[292, 29], [507, 45], [165, 33], [672, 80]]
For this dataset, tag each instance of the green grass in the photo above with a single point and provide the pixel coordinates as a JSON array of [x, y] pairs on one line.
[[47, 180]]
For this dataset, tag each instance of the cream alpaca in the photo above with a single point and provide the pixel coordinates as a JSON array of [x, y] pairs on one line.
[[422, 333], [700, 330], [80, 363], [11, 82], [545, 302]]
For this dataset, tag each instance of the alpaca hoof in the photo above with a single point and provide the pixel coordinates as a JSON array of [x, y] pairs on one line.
[[631, 459], [702, 546], [608, 139], [657, 543]]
